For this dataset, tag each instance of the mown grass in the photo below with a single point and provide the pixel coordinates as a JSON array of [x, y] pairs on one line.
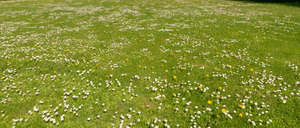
[[184, 63]]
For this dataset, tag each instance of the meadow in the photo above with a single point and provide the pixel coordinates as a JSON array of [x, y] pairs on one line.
[[149, 63]]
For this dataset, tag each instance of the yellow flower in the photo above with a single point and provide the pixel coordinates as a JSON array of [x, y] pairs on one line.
[[206, 75], [166, 70], [174, 77], [220, 88], [242, 106], [241, 115], [224, 110], [140, 66], [200, 86], [251, 69], [230, 71], [93, 70], [54, 72], [209, 102], [126, 59]]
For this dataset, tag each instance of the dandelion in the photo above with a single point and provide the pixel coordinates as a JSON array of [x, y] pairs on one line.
[[206, 75], [200, 86], [241, 115], [209, 102], [140, 66], [174, 77], [251, 69], [242, 106], [224, 110], [220, 88], [166, 70]]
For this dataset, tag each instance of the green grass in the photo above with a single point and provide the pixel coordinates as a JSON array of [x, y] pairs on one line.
[[149, 63]]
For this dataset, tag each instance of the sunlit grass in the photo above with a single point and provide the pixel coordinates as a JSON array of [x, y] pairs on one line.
[[184, 63]]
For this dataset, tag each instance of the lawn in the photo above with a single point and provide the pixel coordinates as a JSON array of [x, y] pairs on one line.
[[149, 63]]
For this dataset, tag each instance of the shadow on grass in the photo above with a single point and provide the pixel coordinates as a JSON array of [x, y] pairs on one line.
[[295, 3]]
